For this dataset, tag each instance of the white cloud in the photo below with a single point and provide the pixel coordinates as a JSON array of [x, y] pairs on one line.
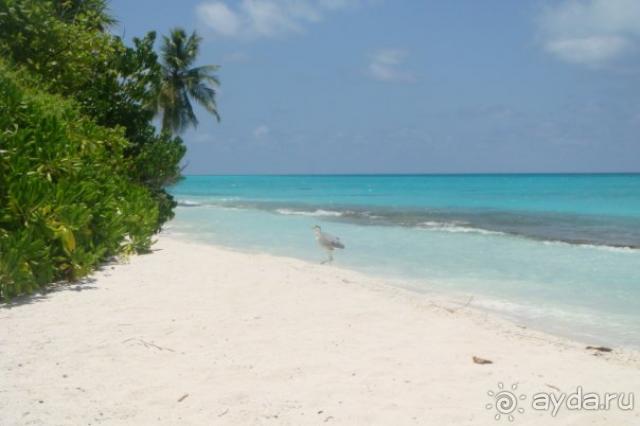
[[250, 19], [590, 32], [219, 16], [592, 50], [385, 65], [261, 131]]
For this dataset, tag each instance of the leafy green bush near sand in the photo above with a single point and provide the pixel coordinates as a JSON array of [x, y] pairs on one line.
[[67, 199], [67, 48], [83, 170]]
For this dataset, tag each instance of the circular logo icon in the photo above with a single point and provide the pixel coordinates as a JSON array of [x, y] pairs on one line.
[[505, 402]]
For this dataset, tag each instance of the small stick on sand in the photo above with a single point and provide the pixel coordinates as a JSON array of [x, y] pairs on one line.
[[599, 348], [481, 361]]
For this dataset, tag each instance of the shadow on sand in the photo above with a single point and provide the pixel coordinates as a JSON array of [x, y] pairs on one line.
[[43, 294]]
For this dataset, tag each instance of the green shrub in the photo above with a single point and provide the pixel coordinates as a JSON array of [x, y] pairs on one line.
[[83, 170], [65, 47], [68, 199]]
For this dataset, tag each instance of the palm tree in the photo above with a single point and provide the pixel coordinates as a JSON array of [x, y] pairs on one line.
[[181, 83]]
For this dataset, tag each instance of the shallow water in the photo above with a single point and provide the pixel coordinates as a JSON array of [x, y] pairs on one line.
[[556, 251]]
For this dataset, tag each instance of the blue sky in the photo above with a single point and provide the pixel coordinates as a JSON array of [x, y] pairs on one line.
[[382, 86]]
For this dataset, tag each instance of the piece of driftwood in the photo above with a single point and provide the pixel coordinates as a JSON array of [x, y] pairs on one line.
[[481, 361], [147, 344], [599, 348]]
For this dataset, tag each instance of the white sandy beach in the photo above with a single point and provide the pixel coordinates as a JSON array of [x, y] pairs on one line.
[[195, 334]]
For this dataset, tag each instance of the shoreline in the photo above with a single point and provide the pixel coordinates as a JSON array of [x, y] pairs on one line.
[[482, 303], [447, 300], [259, 339]]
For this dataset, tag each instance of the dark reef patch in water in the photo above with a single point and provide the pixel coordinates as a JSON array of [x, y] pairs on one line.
[[617, 232]]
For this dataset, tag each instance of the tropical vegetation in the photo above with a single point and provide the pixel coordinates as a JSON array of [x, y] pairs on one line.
[[181, 82], [83, 169]]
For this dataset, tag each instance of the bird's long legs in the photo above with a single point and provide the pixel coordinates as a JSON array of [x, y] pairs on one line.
[[329, 259]]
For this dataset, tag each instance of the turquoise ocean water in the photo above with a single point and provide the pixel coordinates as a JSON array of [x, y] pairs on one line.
[[559, 252]]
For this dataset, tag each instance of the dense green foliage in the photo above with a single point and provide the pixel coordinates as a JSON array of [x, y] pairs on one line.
[[181, 82], [83, 169], [67, 202]]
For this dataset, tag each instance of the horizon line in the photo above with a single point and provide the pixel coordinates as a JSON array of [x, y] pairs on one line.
[[416, 174]]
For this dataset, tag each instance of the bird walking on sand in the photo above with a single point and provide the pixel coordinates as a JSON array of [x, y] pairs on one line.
[[327, 242]]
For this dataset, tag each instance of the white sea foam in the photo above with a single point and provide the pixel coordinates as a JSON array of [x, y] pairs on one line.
[[318, 212], [223, 207], [189, 203], [612, 249], [455, 227], [372, 216]]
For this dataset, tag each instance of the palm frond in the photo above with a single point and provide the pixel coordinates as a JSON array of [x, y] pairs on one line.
[[204, 73], [181, 82], [192, 49], [205, 97]]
